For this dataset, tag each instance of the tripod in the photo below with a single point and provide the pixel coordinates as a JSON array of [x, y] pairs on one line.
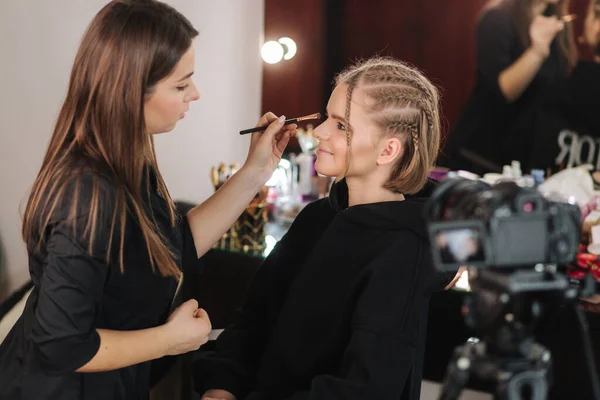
[[504, 309], [514, 378]]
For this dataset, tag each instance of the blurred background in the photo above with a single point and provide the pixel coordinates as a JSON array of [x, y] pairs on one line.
[[38, 41]]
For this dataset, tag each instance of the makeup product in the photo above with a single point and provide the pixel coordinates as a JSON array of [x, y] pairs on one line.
[[222, 173], [233, 168], [305, 164], [538, 176], [594, 246], [214, 177], [287, 122], [568, 18]]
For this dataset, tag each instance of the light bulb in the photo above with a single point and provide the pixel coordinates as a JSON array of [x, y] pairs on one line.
[[291, 47], [272, 52]]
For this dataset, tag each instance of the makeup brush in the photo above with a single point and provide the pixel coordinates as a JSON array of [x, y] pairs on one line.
[[552, 9], [568, 18], [287, 122]]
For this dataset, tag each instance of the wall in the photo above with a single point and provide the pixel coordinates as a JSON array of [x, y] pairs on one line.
[[38, 41], [294, 87], [437, 36], [228, 75]]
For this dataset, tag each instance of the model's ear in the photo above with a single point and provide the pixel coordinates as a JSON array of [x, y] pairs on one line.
[[391, 150]]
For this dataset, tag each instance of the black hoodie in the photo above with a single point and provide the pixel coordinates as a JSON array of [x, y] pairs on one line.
[[564, 131], [337, 311]]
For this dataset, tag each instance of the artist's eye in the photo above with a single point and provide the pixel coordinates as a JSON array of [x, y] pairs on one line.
[[341, 126], [182, 88]]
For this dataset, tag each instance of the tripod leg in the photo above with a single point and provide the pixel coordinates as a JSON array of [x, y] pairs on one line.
[[529, 381], [532, 382], [457, 374]]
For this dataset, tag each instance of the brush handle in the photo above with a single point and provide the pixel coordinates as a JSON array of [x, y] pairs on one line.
[[263, 127]]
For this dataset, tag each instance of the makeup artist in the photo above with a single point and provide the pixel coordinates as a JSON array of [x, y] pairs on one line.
[[566, 127], [106, 246], [522, 46]]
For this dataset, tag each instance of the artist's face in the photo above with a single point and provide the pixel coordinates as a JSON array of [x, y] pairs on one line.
[[172, 96]]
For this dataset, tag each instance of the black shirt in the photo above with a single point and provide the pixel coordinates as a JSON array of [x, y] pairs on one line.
[[488, 116], [338, 310], [76, 292], [566, 128]]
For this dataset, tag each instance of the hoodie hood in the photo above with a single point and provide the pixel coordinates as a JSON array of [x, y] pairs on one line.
[[389, 215]]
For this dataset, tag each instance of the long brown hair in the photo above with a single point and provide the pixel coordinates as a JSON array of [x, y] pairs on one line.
[[129, 46], [521, 10]]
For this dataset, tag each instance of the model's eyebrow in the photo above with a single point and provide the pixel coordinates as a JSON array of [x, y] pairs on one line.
[[335, 116]]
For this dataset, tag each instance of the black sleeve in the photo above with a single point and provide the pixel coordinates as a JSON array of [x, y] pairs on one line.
[[70, 293], [382, 349], [583, 87], [189, 255], [496, 33], [233, 365], [71, 288]]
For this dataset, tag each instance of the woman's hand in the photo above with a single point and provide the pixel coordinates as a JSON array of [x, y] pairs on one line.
[[266, 148], [542, 32], [187, 328], [218, 394], [515, 79], [456, 278]]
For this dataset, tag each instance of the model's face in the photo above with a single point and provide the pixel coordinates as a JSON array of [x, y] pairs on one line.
[[372, 153], [333, 143]]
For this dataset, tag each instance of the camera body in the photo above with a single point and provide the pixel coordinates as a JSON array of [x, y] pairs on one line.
[[502, 227]]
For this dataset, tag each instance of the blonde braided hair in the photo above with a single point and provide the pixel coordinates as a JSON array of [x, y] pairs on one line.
[[403, 103]]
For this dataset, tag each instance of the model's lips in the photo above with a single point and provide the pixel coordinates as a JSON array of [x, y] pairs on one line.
[[320, 150]]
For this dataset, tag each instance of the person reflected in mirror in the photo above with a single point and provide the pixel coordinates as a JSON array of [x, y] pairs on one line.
[[523, 46]]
